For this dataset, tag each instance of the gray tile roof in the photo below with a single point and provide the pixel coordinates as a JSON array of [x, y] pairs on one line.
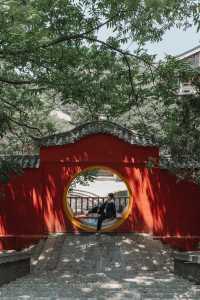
[[166, 162], [24, 161], [105, 127], [89, 128]]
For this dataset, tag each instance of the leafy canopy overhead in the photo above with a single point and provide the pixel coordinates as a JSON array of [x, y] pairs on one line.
[[52, 53]]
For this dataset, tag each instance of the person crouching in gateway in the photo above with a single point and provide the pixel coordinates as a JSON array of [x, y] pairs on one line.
[[106, 211]]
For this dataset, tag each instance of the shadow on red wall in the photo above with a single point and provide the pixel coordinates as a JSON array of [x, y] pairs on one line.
[[32, 206]]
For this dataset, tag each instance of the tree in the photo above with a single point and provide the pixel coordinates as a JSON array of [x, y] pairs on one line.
[[53, 48]]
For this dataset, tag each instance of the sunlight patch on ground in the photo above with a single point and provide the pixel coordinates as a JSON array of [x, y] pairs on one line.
[[112, 285]]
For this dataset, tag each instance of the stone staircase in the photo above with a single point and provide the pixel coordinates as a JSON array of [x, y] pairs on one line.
[[46, 255], [127, 266]]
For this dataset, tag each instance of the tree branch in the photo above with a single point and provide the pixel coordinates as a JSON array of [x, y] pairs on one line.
[[67, 37], [109, 46], [60, 39], [134, 93], [24, 125], [15, 82], [11, 104]]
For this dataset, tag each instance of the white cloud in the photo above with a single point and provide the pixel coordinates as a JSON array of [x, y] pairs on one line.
[[60, 115]]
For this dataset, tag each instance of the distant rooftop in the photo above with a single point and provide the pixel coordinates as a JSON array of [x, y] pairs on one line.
[[189, 52]]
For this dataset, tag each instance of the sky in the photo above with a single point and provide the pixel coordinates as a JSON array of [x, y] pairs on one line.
[[175, 42], [102, 188]]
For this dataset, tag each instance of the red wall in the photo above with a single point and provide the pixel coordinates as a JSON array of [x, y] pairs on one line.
[[33, 202]]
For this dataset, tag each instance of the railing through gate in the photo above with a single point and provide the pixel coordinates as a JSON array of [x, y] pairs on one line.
[[80, 205]]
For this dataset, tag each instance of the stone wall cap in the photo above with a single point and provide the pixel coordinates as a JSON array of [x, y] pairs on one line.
[[13, 256], [188, 256], [24, 161], [95, 127]]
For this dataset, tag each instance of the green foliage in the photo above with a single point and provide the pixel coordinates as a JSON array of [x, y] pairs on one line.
[[85, 178], [8, 167]]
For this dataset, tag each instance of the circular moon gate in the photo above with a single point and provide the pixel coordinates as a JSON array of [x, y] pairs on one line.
[[87, 227]]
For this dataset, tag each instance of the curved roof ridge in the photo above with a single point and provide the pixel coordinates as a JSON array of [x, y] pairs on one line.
[[94, 127]]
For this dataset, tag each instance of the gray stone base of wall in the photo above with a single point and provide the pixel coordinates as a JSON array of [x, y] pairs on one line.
[[13, 266], [187, 265]]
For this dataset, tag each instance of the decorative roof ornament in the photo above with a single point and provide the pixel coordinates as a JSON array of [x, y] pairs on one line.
[[102, 117]]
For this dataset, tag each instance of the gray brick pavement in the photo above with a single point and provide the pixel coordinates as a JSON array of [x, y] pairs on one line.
[[118, 267]]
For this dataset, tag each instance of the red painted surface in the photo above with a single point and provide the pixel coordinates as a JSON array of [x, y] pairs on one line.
[[33, 202]]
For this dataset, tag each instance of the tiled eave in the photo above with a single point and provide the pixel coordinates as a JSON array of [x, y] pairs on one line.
[[168, 163], [102, 127], [33, 161], [24, 161]]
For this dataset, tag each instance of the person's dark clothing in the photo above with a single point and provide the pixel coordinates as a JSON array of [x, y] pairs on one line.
[[100, 221], [95, 209], [107, 210], [120, 209]]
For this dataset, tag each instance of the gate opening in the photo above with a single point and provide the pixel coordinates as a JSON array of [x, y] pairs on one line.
[[88, 194]]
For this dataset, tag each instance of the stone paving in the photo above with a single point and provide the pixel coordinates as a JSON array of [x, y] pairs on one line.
[[118, 267]]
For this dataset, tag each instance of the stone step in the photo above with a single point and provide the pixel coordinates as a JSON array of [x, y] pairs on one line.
[[55, 255], [173, 289], [161, 296], [49, 254], [36, 253], [105, 267]]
